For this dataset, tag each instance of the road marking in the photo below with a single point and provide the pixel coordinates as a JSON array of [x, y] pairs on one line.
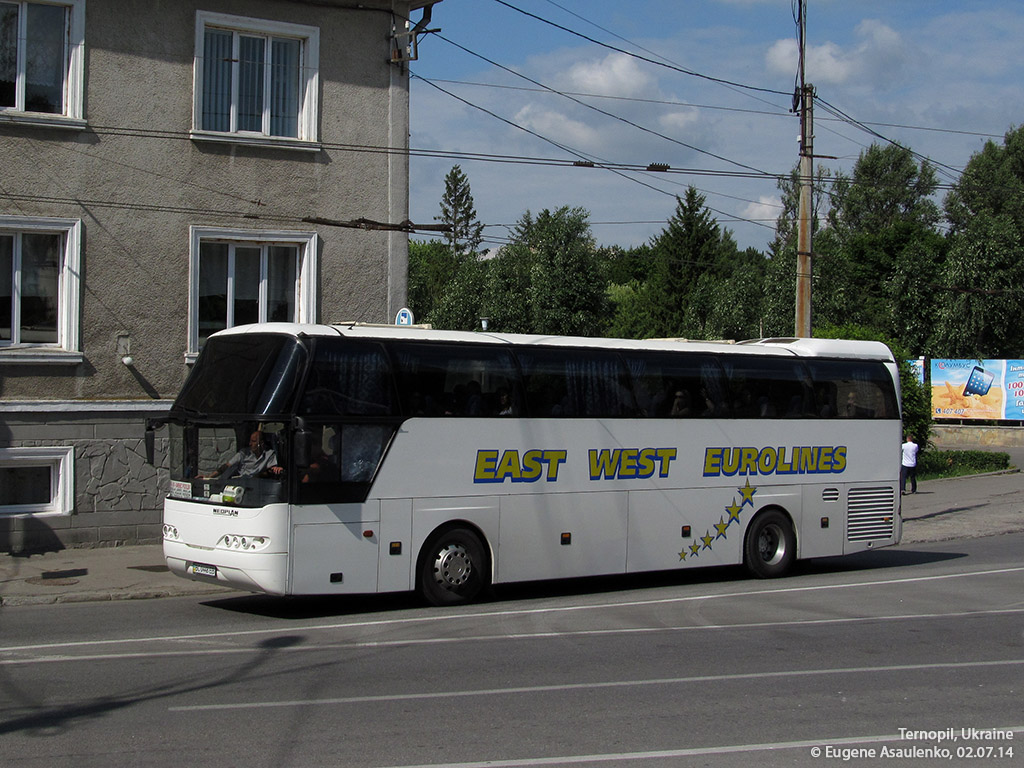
[[437, 617], [547, 634], [676, 753], [533, 689]]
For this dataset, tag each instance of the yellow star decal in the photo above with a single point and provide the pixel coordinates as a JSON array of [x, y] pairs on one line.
[[747, 492], [720, 526], [707, 538], [682, 555], [695, 549], [734, 511]]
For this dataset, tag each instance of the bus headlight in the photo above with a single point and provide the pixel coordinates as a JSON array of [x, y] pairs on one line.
[[243, 543], [170, 533]]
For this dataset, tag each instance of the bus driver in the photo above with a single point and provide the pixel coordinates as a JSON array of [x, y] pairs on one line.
[[254, 461]]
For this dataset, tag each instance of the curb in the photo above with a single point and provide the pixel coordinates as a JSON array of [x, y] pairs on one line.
[[111, 596]]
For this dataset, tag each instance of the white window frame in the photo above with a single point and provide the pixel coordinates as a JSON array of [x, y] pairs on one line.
[[305, 271], [74, 72], [309, 64], [69, 291], [61, 462]]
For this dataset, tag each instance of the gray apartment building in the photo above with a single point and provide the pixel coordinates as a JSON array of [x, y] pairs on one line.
[[169, 168]]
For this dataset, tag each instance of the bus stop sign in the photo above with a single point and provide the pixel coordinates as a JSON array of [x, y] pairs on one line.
[[404, 316]]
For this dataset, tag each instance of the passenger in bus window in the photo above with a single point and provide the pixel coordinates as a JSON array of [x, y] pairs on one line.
[[505, 403], [474, 399], [324, 466], [854, 410], [681, 405]]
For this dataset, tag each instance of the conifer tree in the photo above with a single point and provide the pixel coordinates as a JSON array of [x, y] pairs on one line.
[[457, 211]]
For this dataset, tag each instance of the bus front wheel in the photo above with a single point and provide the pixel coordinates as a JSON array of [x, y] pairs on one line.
[[452, 568], [770, 546]]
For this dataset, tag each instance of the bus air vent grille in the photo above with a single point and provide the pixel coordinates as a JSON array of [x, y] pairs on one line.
[[830, 495], [871, 514]]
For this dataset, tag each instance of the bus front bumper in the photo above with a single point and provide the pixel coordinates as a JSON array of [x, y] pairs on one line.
[[248, 571]]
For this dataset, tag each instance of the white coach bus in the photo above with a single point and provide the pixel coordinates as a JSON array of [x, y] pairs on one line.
[[312, 460]]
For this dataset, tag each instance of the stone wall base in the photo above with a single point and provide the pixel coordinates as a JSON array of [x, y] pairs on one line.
[[964, 436], [117, 495]]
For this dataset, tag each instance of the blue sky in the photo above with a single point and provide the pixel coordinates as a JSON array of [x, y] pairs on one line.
[[939, 76]]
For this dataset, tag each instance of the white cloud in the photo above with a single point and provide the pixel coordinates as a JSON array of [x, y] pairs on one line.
[[554, 124], [879, 54], [614, 75], [766, 209], [679, 119]]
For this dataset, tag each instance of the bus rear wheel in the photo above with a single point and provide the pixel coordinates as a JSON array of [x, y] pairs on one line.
[[770, 546], [452, 568]]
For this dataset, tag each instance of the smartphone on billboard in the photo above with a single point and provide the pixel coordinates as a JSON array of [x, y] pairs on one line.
[[979, 382]]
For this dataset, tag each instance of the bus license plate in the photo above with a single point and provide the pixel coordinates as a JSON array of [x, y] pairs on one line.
[[199, 569]]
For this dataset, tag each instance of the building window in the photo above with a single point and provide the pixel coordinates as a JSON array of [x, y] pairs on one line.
[[36, 481], [240, 277], [39, 288], [255, 80], [42, 59]]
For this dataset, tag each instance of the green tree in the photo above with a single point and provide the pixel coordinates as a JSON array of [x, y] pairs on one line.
[[549, 279], [697, 284], [883, 245], [460, 305], [982, 290], [567, 291], [431, 268], [457, 211], [686, 249], [984, 273]]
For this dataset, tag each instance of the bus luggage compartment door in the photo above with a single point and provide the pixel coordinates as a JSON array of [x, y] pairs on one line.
[[533, 541], [336, 558]]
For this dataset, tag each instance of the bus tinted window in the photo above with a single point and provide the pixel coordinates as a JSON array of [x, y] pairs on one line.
[[457, 380], [854, 389], [677, 386], [348, 378], [570, 383], [250, 374], [769, 388]]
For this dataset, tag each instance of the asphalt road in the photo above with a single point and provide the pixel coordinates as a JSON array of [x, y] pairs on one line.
[[898, 649]]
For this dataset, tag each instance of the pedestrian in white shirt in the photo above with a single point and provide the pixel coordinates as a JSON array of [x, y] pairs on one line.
[[909, 469]]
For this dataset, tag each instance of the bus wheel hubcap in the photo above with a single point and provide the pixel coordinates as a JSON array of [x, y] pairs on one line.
[[772, 545], [453, 566]]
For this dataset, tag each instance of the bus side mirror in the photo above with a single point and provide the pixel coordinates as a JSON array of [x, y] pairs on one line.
[[302, 446], [150, 440]]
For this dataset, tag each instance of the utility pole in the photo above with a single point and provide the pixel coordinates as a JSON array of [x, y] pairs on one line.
[[805, 99]]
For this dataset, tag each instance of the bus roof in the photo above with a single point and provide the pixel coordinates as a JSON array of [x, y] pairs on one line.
[[801, 347]]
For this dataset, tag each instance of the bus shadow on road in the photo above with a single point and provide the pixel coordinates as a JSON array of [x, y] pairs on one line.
[[325, 606], [875, 560]]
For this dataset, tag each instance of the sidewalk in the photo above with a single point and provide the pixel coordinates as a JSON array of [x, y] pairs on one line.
[[965, 507], [104, 573]]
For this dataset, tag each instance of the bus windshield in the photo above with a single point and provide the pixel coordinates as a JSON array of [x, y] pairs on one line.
[[242, 464], [244, 375]]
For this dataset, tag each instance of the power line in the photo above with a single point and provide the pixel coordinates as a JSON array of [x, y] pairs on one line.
[[673, 67], [601, 111], [718, 107]]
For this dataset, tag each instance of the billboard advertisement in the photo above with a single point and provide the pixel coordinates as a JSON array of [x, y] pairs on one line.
[[977, 389]]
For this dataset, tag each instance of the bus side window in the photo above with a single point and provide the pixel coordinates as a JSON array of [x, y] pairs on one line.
[[348, 378], [362, 446], [455, 379], [676, 385], [855, 389], [576, 383], [770, 388]]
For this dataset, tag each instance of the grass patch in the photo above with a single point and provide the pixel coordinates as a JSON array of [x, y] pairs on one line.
[[933, 465]]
